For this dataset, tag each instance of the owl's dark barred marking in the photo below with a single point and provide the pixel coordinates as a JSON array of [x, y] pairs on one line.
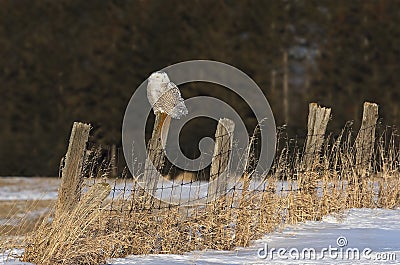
[[164, 96]]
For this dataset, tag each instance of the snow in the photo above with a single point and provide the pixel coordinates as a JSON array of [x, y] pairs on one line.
[[20, 217], [377, 229], [23, 188], [9, 257]]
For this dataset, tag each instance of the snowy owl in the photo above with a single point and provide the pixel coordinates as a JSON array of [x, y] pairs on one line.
[[164, 96]]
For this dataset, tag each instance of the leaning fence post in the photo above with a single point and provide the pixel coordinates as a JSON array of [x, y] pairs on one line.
[[366, 137], [71, 178], [220, 161], [155, 152], [318, 119]]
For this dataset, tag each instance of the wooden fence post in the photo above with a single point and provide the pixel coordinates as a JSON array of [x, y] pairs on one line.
[[155, 153], [221, 157], [69, 192], [318, 119], [365, 140]]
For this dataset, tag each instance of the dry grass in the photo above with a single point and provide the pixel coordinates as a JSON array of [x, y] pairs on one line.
[[18, 216], [91, 237], [91, 233], [18, 219]]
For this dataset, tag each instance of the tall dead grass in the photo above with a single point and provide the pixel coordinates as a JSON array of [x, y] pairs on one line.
[[92, 232]]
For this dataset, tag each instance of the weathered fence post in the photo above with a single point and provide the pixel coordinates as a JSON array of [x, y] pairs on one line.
[[318, 119], [155, 152], [365, 140], [221, 157], [71, 178]]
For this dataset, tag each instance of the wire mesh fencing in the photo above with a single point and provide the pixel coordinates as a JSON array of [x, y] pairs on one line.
[[177, 213], [336, 161]]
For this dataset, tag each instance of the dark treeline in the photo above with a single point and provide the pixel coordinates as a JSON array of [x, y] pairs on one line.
[[65, 61]]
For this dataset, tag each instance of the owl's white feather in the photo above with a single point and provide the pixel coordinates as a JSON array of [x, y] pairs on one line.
[[164, 96]]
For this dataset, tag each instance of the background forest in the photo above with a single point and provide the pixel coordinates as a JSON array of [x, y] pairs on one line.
[[64, 61]]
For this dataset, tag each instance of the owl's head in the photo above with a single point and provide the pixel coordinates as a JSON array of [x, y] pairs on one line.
[[159, 76]]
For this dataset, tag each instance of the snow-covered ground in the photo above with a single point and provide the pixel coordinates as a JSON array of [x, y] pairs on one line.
[[376, 232], [373, 233], [23, 188]]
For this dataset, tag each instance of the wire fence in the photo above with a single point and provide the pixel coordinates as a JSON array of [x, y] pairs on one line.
[[177, 214], [336, 160], [161, 209]]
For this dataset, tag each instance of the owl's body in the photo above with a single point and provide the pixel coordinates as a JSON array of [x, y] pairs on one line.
[[164, 96]]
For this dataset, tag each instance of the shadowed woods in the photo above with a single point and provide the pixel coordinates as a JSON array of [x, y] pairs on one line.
[[65, 61]]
